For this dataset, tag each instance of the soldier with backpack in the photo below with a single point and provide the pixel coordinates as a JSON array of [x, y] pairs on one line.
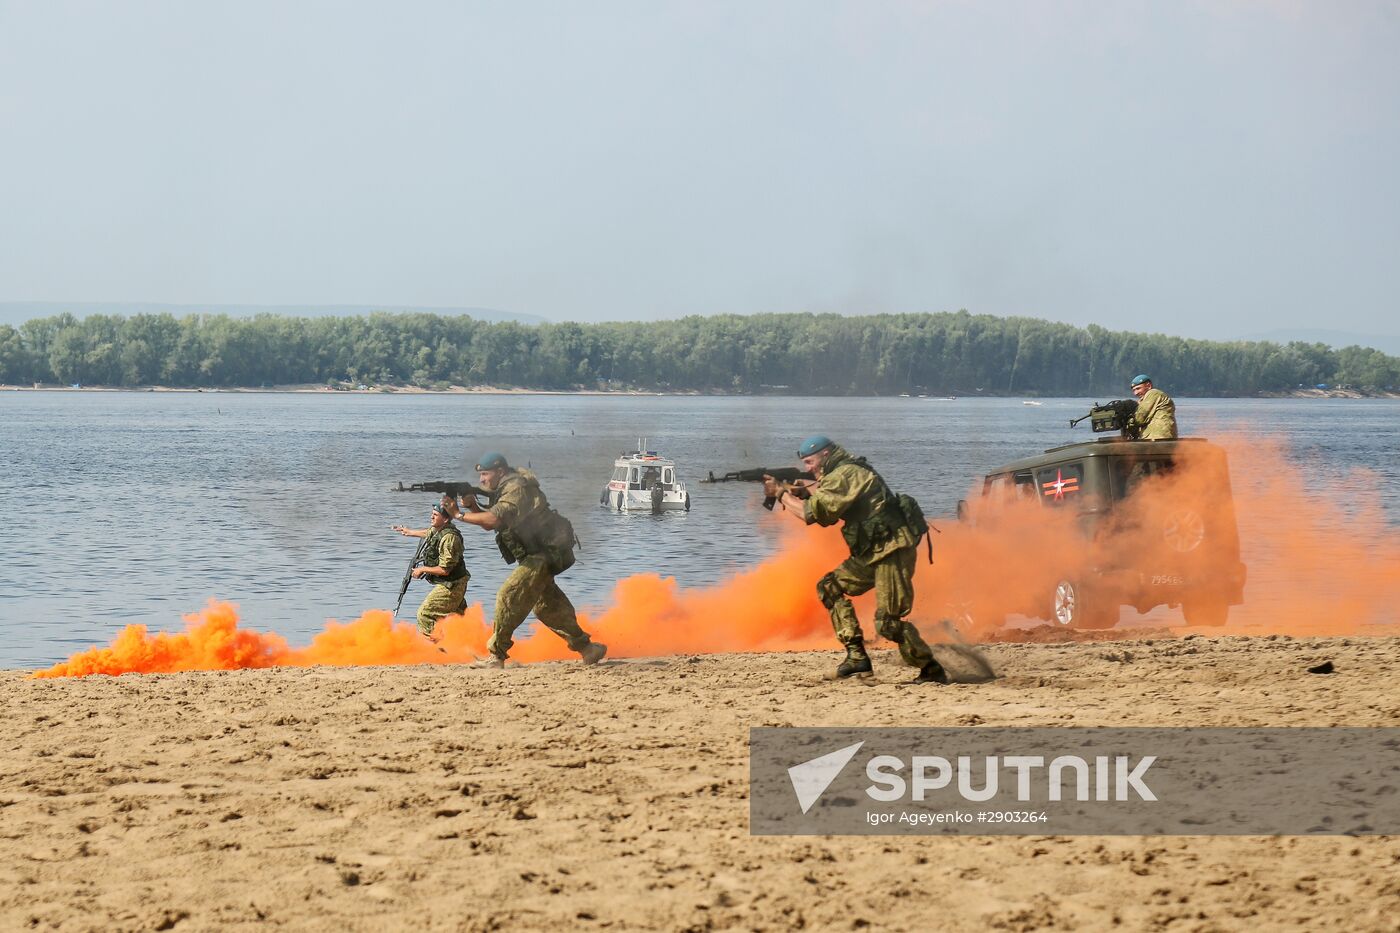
[[540, 542], [882, 530]]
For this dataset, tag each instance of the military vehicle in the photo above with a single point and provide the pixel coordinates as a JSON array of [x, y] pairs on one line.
[[1128, 545]]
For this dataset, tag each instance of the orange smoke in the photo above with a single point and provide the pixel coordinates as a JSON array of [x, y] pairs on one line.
[[1322, 559], [772, 607]]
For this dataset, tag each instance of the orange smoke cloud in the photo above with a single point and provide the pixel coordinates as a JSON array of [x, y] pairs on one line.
[[772, 607], [1321, 560]]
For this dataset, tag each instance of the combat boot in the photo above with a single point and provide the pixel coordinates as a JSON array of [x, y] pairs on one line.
[[932, 673], [857, 661], [490, 661], [593, 652]]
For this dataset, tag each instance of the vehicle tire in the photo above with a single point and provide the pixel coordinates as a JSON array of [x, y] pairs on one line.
[[1212, 612], [1074, 606], [1183, 530]]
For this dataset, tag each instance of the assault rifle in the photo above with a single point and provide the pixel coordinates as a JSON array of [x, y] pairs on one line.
[[450, 488], [1112, 416], [782, 474], [408, 574]]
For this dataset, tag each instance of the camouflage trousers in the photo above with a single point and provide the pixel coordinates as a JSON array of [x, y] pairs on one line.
[[531, 588], [893, 581], [442, 599]]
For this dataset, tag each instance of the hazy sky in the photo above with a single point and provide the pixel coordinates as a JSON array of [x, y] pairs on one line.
[[1207, 169]]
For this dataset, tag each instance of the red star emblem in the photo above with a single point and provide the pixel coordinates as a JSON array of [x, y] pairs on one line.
[[1056, 488]]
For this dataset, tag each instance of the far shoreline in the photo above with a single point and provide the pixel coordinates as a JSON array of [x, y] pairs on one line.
[[316, 389]]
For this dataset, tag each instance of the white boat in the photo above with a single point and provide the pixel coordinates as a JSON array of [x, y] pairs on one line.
[[644, 481], [1036, 404]]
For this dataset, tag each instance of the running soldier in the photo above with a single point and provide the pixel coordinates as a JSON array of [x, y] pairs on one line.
[[540, 542], [883, 542]]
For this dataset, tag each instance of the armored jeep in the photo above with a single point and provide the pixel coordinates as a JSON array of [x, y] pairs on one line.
[[1132, 532]]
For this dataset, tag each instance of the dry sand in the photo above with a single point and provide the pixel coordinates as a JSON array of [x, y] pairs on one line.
[[615, 797]]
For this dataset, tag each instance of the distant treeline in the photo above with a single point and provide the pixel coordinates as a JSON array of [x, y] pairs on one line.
[[824, 354]]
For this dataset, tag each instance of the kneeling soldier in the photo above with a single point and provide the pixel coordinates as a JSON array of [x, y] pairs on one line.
[[884, 547], [541, 543]]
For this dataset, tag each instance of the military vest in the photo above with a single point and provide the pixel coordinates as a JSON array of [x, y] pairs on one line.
[[879, 516], [432, 553]]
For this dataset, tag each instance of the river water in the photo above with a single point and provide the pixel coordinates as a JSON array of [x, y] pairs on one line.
[[137, 507]]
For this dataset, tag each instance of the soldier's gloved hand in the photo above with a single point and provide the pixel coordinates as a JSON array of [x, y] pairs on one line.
[[771, 487]]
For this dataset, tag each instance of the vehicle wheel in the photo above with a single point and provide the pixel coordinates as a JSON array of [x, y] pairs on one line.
[[1075, 607], [1184, 529], [1208, 612]]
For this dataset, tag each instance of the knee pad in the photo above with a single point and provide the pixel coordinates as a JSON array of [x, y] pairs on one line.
[[890, 629], [829, 591]]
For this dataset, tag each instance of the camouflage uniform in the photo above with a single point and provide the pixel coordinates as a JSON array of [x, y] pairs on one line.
[[520, 505], [1155, 416], [443, 548], [884, 559]]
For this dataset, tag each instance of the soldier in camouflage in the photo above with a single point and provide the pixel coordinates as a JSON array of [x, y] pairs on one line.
[[540, 542], [883, 548], [443, 566], [1155, 417]]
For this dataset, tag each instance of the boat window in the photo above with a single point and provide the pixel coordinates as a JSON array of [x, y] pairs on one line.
[[666, 476], [620, 474]]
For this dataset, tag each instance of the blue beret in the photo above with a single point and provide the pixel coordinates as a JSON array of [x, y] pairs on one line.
[[1141, 378], [441, 511], [492, 461], [813, 444]]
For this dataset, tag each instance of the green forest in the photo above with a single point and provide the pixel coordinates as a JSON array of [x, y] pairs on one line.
[[818, 354]]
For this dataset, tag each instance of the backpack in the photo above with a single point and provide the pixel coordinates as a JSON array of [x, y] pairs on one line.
[[914, 516]]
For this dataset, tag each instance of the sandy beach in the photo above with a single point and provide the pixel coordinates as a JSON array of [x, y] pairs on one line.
[[552, 795]]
